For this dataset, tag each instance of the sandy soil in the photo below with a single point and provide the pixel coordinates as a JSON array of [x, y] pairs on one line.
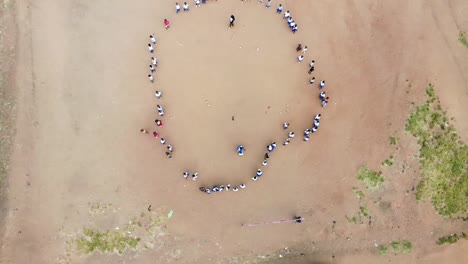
[[83, 96]]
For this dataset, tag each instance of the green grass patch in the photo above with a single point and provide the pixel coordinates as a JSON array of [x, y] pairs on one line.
[[443, 159], [401, 247], [382, 249], [105, 242], [451, 239], [393, 140], [372, 179], [462, 39]]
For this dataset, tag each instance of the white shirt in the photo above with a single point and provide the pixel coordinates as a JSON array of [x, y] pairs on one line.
[[280, 8], [197, 2], [154, 61], [185, 6], [150, 77], [292, 24], [287, 14], [291, 134], [317, 117], [177, 7], [300, 58], [150, 48], [242, 186], [322, 83], [153, 39]]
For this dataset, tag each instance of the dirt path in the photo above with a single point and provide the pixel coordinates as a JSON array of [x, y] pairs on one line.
[[83, 96]]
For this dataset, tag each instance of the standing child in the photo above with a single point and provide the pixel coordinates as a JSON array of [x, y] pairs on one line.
[[231, 21], [154, 61], [150, 48], [158, 94], [167, 24], [268, 4], [279, 9], [177, 8], [300, 58], [186, 7], [287, 14], [197, 3], [151, 78], [153, 39], [151, 68], [322, 84]]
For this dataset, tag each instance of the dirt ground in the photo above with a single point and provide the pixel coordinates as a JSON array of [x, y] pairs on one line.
[[82, 97]]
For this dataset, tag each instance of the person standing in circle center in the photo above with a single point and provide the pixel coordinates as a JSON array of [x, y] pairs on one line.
[[231, 21]]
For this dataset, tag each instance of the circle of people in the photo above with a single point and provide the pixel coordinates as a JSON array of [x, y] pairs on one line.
[[240, 148]]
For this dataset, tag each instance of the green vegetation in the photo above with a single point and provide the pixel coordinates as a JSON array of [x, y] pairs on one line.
[[105, 242], [372, 179], [388, 162], [140, 233], [363, 212], [451, 239], [462, 39], [403, 246], [393, 140], [382, 249], [443, 159], [359, 194]]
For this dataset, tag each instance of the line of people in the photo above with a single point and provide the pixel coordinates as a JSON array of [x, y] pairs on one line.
[[159, 123]]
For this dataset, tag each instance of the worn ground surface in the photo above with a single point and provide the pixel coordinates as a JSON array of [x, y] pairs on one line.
[[82, 97]]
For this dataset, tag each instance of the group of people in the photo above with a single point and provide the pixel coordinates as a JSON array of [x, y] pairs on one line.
[[159, 123], [240, 148]]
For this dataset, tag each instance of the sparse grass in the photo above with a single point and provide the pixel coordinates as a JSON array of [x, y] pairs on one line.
[[388, 162], [382, 249], [359, 194], [372, 179], [443, 159], [462, 39], [105, 242], [393, 140], [363, 212], [403, 246], [451, 239]]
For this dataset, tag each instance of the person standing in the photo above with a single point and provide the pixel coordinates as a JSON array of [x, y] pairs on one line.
[[322, 84], [150, 48], [268, 4], [152, 69], [186, 7], [158, 94], [177, 8], [151, 78], [231, 21], [279, 9], [287, 14], [158, 122], [300, 58], [197, 3], [154, 61], [167, 24], [153, 39]]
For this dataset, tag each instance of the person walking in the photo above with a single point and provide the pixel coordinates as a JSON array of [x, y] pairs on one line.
[[158, 94], [195, 176], [177, 8], [317, 117], [150, 48], [285, 125], [155, 134], [299, 47], [279, 9], [322, 84], [186, 175], [231, 21], [170, 148], [300, 58], [169, 155], [291, 134], [167, 24], [197, 3], [312, 81], [153, 39]]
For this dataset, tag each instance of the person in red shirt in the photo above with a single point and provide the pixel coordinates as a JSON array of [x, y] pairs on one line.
[[155, 134], [167, 24]]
